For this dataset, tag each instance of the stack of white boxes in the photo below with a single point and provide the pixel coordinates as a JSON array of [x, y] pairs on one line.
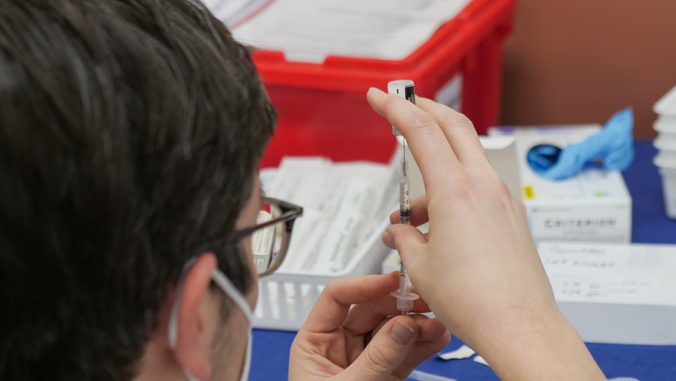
[[666, 145]]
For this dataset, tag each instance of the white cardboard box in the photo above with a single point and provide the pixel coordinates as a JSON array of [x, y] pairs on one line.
[[501, 152], [594, 206], [624, 294]]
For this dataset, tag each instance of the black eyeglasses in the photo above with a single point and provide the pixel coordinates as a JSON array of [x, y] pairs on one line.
[[271, 236]]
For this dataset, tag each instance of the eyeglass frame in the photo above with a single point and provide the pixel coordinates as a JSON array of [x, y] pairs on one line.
[[289, 214]]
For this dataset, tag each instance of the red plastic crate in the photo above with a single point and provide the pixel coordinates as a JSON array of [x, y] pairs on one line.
[[322, 108]]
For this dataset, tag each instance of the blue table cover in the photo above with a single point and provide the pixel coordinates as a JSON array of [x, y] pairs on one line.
[[270, 360]]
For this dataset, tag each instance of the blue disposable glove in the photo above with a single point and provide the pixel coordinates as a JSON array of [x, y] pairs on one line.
[[614, 143]]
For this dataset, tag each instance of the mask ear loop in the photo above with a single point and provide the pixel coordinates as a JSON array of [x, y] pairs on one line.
[[224, 283], [173, 319], [231, 291]]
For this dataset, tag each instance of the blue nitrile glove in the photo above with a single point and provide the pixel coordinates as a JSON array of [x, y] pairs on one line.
[[614, 143]]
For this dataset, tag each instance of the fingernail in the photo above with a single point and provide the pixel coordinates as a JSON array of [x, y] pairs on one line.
[[376, 90], [388, 239], [401, 333]]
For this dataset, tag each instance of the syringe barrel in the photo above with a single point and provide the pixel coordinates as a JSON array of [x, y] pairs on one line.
[[403, 88], [404, 201], [405, 298]]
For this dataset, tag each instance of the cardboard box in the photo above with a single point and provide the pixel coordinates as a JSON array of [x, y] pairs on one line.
[[621, 294], [594, 206]]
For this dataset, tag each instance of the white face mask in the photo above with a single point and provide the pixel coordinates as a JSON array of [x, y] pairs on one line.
[[229, 289]]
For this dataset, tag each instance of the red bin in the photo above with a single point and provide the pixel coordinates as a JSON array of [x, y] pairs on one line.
[[322, 108]]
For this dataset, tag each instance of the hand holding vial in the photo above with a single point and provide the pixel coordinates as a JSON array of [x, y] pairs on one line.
[[478, 268]]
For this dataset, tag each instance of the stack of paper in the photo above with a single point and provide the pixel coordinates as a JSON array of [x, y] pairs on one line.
[[343, 204], [311, 30], [233, 12]]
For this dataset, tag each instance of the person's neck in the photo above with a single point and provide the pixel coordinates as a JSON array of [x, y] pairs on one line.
[[158, 363]]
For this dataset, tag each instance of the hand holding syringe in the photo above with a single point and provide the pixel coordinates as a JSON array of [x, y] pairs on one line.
[[405, 297], [492, 247]]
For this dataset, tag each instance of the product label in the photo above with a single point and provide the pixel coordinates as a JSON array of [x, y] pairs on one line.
[[409, 94], [555, 223], [591, 223], [608, 273]]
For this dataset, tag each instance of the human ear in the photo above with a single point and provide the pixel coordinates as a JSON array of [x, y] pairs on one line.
[[196, 319]]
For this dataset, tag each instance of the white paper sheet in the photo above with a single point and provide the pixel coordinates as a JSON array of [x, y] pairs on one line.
[[480, 360], [423, 376], [460, 353], [311, 30]]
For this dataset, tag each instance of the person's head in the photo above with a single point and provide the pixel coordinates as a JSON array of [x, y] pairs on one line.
[[130, 133]]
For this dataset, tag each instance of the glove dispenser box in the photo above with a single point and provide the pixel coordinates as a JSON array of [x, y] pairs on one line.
[[593, 206]]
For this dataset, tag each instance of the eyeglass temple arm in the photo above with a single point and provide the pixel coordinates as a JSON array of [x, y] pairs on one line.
[[288, 219]]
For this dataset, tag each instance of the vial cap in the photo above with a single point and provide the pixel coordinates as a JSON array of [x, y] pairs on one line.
[[403, 88]]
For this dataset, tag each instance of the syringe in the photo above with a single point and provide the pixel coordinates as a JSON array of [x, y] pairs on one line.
[[405, 298]]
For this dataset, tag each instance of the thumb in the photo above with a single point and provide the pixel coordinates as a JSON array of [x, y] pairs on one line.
[[385, 352]]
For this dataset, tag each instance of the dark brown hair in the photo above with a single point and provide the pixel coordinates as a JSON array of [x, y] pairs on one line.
[[130, 132]]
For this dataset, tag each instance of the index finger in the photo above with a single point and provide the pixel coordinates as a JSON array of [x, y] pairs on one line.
[[459, 132], [334, 302], [427, 141]]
